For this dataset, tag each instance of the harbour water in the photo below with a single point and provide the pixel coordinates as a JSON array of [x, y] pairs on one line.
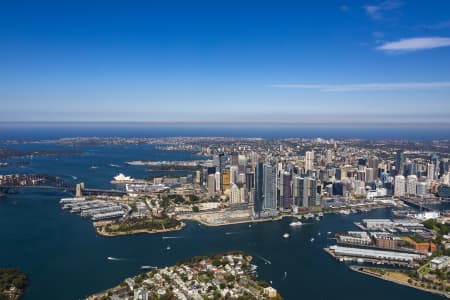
[[65, 259]]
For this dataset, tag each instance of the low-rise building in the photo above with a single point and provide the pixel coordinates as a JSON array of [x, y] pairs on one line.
[[440, 263]]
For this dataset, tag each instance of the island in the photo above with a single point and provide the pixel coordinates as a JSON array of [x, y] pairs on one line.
[[136, 225], [12, 283], [219, 276]]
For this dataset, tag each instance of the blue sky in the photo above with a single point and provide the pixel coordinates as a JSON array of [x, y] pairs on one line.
[[226, 61]]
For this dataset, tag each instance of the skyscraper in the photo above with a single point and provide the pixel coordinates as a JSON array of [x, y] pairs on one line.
[[399, 162], [411, 185], [430, 171], [399, 186], [259, 196], [211, 184], [235, 194], [309, 160], [270, 187], [286, 199]]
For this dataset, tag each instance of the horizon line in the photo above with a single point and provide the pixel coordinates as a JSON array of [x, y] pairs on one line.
[[238, 123]]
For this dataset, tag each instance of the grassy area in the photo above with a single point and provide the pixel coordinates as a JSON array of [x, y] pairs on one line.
[[136, 224]]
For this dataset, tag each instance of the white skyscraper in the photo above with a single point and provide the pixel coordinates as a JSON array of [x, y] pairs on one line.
[[329, 156], [411, 185], [234, 174], [235, 194], [309, 160], [217, 180], [399, 186], [430, 171]]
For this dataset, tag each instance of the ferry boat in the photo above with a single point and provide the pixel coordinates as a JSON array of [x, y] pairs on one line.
[[295, 224]]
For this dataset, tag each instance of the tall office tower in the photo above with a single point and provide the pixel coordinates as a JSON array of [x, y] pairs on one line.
[[211, 184], [399, 186], [373, 162], [234, 158], [198, 177], [218, 181], [309, 160], [222, 161], [411, 185], [399, 162], [241, 178], [270, 187], [370, 175], [329, 156], [225, 180], [259, 193], [430, 171], [235, 194], [443, 166], [310, 196], [435, 161], [297, 190], [242, 162], [249, 181], [254, 159], [244, 194], [286, 199], [421, 188], [234, 174], [410, 168]]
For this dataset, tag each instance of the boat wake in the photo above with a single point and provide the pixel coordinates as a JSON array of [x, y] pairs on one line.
[[115, 258], [148, 267], [230, 232], [172, 237], [114, 165], [74, 177], [263, 259]]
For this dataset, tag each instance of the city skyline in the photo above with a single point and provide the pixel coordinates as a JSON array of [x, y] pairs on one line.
[[333, 62]]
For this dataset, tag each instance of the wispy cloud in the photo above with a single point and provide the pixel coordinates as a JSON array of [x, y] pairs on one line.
[[367, 86], [415, 44], [440, 25], [376, 11]]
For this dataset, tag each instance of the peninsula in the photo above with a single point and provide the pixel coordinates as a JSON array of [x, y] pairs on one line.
[[220, 276]]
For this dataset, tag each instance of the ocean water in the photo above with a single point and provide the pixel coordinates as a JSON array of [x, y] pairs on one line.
[[46, 131], [65, 259]]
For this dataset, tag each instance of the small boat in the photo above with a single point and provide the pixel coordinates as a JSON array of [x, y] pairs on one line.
[[249, 225], [318, 233], [312, 240], [286, 235], [168, 248], [295, 224], [320, 214], [329, 232]]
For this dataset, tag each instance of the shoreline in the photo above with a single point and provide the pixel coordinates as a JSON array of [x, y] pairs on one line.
[[138, 231], [383, 277], [233, 222]]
